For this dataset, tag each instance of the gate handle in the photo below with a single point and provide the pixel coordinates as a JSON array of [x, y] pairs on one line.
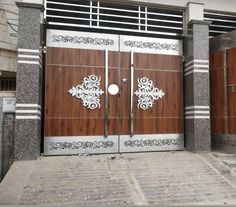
[[131, 95], [106, 93]]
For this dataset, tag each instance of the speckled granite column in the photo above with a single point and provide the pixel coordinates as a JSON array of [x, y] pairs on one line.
[[196, 87], [29, 89]]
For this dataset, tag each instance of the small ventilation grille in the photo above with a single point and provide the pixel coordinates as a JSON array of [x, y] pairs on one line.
[[221, 23], [113, 18]]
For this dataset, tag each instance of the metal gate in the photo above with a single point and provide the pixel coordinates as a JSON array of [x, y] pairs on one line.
[[112, 93]]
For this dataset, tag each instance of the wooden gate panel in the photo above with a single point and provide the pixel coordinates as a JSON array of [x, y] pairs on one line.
[[166, 114], [217, 95], [231, 89], [78, 57], [67, 68]]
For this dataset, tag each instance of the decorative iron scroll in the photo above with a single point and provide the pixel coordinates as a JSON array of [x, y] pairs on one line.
[[80, 145], [147, 93], [152, 45], [89, 92], [150, 142], [82, 40]]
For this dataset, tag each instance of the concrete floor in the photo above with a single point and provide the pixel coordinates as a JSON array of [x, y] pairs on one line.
[[137, 178]]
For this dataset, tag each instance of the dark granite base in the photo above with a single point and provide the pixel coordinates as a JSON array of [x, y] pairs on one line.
[[197, 135], [27, 139]]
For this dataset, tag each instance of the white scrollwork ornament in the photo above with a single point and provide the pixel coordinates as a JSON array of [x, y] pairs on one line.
[[147, 93], [89, 92]]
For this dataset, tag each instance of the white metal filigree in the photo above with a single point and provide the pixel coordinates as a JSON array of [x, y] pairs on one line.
[[89, 92], [147, 93]]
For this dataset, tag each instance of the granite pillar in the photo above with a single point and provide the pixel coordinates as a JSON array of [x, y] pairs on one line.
[[29, 87], [196, 84]]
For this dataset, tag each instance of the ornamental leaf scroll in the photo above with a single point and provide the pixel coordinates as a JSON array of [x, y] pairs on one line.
[[89, 92], [147, 93]]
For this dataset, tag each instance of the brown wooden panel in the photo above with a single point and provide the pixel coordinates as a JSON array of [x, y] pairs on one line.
[[217, 125], [166, 114], [217, 60], [232, 125], [171, 105], [65, 115], [124, 125], [113, 59], [231, 75], [125, 62], [68, 56], [158, 125], [217, 93], [230, 57], [74, 127], [156, 61], [58, 102], [231, 110], [231, 95]]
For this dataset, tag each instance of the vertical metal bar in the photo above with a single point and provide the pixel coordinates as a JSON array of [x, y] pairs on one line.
[[145, 18], [98, 5], [106, 93], [139, 18], [91, 12], [225, 93], [131, 95]]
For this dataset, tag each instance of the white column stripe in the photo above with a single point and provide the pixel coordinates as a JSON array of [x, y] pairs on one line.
[[28, 112], [197, 112], [196, 61], [196, 71], [28, 50], [28, 117], [29, 62], [197, 107], [29, 56], [197, 117], [28, 105]]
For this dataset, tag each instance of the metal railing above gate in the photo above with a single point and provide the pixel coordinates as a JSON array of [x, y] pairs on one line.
[[114, 18]]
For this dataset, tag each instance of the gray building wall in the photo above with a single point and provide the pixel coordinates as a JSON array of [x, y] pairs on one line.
[[7, 121]]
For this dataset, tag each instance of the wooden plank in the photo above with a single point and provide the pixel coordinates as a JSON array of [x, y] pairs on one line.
[[217, 94]]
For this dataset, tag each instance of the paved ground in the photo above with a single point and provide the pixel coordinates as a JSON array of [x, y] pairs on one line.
[[139, 178]]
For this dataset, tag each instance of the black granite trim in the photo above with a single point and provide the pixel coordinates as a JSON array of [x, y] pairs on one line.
[[30, 5], [203, 22]]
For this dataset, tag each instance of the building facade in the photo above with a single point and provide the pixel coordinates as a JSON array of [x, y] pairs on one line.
[[121, 76]]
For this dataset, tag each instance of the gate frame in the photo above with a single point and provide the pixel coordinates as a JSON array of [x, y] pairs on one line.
[[29, 96]]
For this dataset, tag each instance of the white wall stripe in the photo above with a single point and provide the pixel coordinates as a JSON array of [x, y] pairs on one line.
[[196, 71], [196, 61], [28, 105], [196, 107], [197, 117], [29, 62], [28, 50], [28, 117], [197, 112], [28, 112], [197, 66], [29, 56]]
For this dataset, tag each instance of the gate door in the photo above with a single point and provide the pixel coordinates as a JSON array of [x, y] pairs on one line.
[[110, 93]]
